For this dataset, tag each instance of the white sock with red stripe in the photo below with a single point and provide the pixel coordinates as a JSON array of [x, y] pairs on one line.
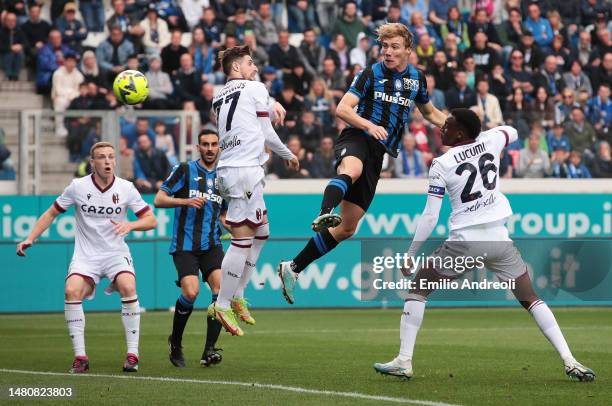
[[261, 235], [130, 316], [232, 268], [548, 324], [410, 323], [75, 320]]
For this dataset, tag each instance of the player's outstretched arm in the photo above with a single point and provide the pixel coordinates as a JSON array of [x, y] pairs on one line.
[[41, 225], [164, 201], [346, 111], [432, 114]]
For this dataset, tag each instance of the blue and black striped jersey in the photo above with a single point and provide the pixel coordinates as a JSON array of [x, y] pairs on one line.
[[386, 98], [195, 230]]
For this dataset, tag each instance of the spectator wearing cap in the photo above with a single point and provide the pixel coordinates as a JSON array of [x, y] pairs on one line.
[[36, 31], [160, 85], [93, 14], [156, 35], [602, 165], [50, 57], [539, 26], [12, 45], [460, 95], [283, 56], [65, 87], [349, 24], [312, 52], [73, 31], [550, 78], [187, 80], [303, 14], [599, 110], [171, 54], [580, 132], [113, 53], [265, 28], [239, 25], [533, 161], [271, 81], [577, 80]]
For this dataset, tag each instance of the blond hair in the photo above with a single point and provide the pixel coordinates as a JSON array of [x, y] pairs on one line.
[[391, 30], [98, 145]]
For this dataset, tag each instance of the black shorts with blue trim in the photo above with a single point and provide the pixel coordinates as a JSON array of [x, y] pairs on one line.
[[355, 142], [194, 262]]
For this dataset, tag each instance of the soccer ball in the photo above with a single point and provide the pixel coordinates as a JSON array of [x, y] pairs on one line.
[[131, 87]]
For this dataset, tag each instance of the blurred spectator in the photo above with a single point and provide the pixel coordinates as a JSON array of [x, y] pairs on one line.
[[112, 54], [518, 112], [604, 42], [451, 50], [558, 140], [359, 54], [212, 28], [581, 133], [409, 163], [394, 15], [533, 55], [131, 131], [550, 79], [543, 109], [283, 56], [91, 71], [327, 10], [563, 109], [203, 102], [489, 105], [156, 35], [438, 10], [312, 52], [239, 25], [469, 67], [516, 72], [171, 53], [187, 80], [425, 51], [271, 81], [323, 161], [290, 101], [427, 139], [128, 24], [583, 51], [50, 57], [602, 165], [164, 142], [455, 24], [170, 11], [600, 110], [539, 26], [500, 85], [577, 80], [265, 28], [160, 86], [349, 24], [340, 52], [511, 30], [435, 95], [203, 55], [36, 31], [602, 73], [65, 87], [309, 131], [575, 167], [333, 77], [299, 79], [482, 24], [125, 160], [460, 95], [590, 10], [560, 52], [321, 102], [259, 54], [278, 167], [73, 31], [93, 14], [303, 14], [150, 166], [13, 42], [570, 12], [419, 28], [193, 10], [485, 57], [442, 71], [533, 162]]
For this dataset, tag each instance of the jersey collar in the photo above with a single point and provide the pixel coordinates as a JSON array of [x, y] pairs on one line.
[[110, 185]]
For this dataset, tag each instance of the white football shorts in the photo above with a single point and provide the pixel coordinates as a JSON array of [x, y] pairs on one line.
[[242, 188], [97, 268]]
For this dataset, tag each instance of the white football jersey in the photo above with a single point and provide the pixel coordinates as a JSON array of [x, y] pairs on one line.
[[94, 208], [470, 174], [238, 106]]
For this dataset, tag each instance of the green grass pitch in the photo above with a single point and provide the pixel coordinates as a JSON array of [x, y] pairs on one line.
[[462, 356]]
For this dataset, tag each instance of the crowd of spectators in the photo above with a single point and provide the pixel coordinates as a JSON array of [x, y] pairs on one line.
[[543, 67]]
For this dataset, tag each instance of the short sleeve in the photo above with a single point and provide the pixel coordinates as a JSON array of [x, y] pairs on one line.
[[437, 184], [361, 82], [261, 98], [136, 203], [66, 199], [422, 97], [175, 181]]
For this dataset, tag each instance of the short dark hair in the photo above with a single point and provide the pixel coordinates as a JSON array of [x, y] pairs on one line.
[[468, 120], [228, 56], [207, 131]]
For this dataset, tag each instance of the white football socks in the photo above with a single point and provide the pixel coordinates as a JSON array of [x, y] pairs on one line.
[[410, 323], [130, 316], [548, 324], [261, 235], [232, 268], [75, 320]]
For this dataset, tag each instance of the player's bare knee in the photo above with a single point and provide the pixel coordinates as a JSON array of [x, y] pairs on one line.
[[191, 293], [74, 292], [352, 167]]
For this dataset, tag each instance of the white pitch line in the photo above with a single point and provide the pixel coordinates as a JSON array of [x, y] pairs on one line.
[[296, 389]]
